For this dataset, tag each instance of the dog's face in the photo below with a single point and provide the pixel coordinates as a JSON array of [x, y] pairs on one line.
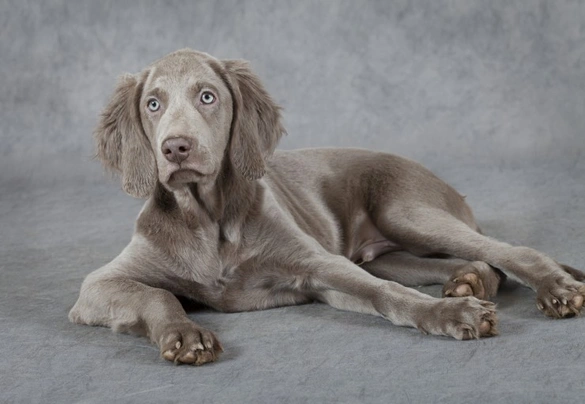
[[184, 119], [186, 113]]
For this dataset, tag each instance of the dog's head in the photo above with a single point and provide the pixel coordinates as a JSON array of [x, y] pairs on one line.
[[180, 119]]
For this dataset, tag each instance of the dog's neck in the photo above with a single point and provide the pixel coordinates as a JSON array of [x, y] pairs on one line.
[[226, 202]]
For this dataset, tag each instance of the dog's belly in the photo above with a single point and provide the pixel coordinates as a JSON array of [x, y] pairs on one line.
[[366, 242]]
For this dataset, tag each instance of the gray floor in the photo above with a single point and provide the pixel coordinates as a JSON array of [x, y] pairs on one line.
[[489, 95], [53, 236]]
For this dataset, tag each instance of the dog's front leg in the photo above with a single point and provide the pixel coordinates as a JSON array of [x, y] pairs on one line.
[[346, 286], [110, 298]]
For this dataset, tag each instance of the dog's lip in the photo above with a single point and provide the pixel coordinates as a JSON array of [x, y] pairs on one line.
[[201, 168], [180, 172], [187, 174]]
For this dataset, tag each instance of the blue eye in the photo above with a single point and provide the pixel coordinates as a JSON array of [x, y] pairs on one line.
[[207, 98], [153, 105]]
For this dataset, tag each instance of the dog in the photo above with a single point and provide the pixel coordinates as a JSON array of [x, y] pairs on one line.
[[231, 223]]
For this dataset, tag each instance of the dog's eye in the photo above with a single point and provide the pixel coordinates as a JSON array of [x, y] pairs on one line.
[[153, 105], [207, 98]]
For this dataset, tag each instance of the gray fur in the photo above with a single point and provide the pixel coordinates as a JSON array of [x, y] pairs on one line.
[[239, 227]]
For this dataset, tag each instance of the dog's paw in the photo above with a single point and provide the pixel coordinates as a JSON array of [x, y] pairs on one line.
[[476, 279], [187, 343], [461, 318], [560, 296]]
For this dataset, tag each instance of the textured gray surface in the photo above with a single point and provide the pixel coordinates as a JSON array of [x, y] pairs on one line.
[[490, 95]]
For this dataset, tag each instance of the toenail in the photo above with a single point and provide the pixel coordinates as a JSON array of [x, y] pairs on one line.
[[471, 277], [189, 357], [484, 327], [463, 290], [168, 355]]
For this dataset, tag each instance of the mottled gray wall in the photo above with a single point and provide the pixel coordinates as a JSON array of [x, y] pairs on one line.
[[445, 82]]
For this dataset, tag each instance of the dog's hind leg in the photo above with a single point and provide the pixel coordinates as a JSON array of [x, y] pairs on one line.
[[459, 277], [422, 228]]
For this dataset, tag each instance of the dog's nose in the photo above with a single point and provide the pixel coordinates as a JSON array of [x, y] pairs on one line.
[[176, 149]]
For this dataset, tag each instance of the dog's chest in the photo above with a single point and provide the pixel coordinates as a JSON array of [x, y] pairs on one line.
[[213, 254]]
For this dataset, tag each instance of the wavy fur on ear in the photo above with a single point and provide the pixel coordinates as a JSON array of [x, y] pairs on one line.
[[121, 142], [256, 122]]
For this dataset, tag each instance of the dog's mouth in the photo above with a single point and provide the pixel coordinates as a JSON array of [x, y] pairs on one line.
[[183, 176], [177, 175]]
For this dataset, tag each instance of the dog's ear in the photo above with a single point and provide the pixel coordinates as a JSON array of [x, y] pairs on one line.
[[121, 142], [256, 123]]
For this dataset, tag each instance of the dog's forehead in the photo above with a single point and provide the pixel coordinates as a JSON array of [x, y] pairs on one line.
[[182, 68]]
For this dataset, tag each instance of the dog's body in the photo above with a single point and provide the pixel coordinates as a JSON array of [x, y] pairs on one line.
[[233, 225]]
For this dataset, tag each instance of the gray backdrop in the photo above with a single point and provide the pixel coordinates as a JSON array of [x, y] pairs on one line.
[[488, 94]]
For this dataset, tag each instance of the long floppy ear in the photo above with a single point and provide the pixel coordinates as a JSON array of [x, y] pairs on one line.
[[256, 122], [121, 142]]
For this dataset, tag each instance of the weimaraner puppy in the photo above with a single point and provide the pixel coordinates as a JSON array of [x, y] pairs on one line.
[[232, 224]]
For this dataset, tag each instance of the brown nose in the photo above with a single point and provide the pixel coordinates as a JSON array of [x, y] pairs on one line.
[[176, 149]]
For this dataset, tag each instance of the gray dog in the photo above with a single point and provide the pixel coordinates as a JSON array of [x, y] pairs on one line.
[[233, 224]]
